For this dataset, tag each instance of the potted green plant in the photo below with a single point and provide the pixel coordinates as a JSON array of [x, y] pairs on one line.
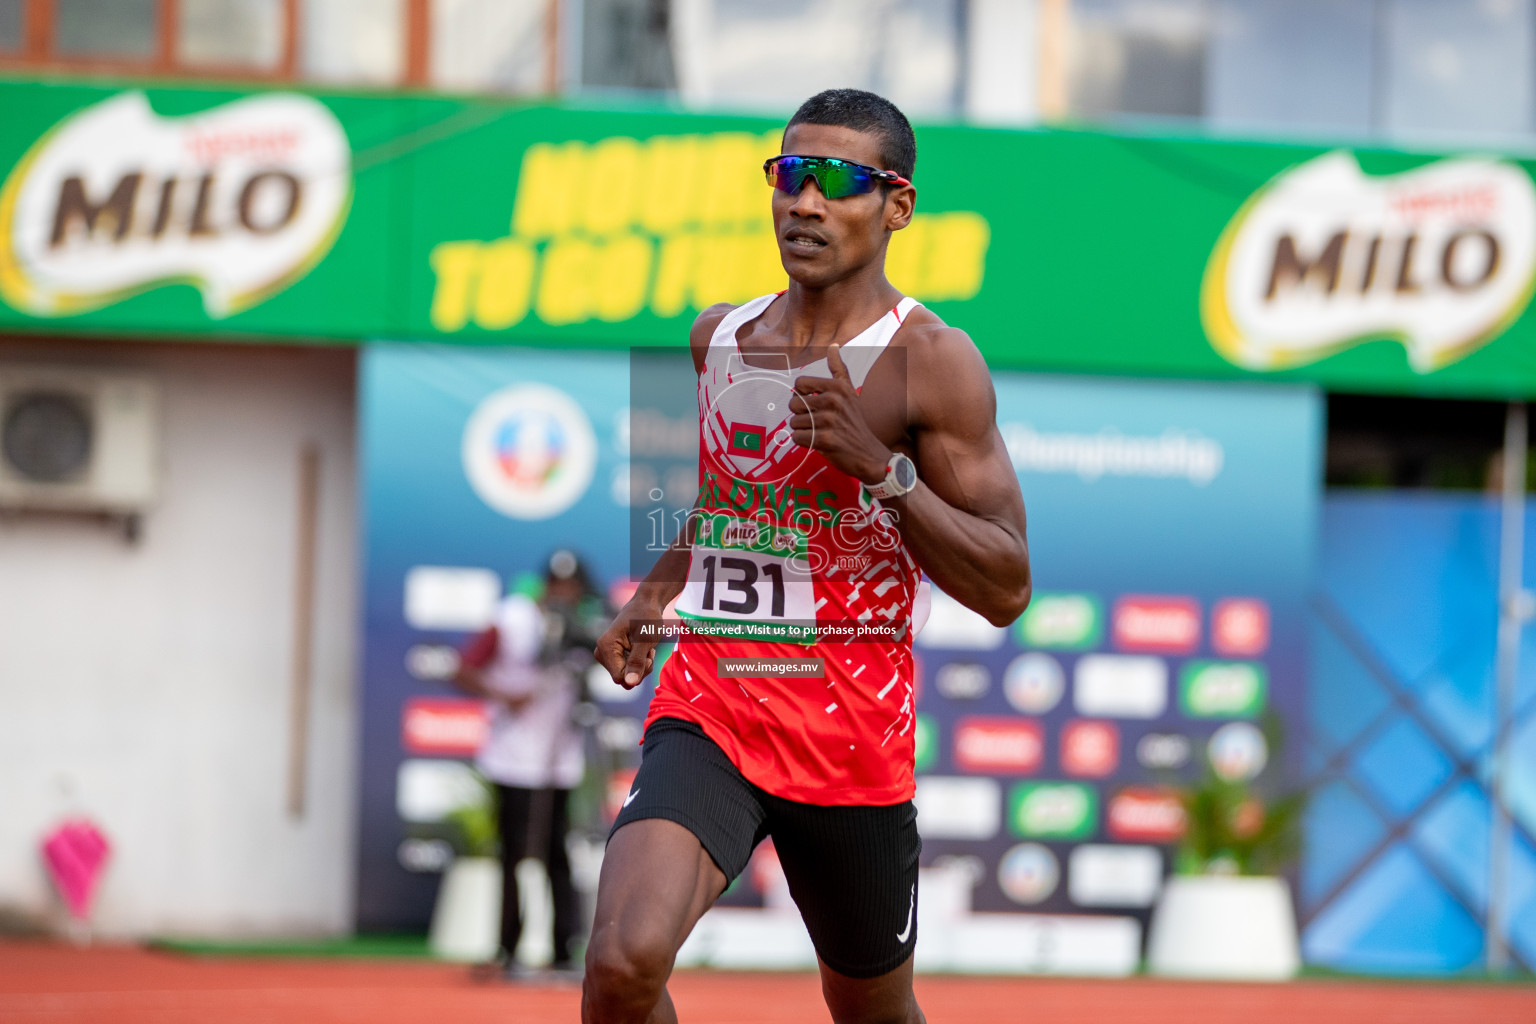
[[1227, 910]]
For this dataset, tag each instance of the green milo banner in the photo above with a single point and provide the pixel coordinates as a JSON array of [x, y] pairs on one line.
[[283, 215]]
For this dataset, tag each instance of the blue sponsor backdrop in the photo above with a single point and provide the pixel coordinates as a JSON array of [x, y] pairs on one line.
[[421, 510], [1179, 496], [1152, 494]]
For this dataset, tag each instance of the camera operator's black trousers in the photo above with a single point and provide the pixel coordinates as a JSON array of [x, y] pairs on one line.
[[533, 823]]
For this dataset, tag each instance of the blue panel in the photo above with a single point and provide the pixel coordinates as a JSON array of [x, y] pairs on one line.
[[1460, 702], [1520, 898], [1454, 835], [1417, 575], [1394, 919], [1520, 783], [1315, 761], [1402, 766], [1341, 828], [1342, 696]]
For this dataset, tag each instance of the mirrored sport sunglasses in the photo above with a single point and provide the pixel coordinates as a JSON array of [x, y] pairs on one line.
[[835, 178]]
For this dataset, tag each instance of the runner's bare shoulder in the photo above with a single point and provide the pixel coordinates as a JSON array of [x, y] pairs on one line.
[[937, 352], [704, 329]]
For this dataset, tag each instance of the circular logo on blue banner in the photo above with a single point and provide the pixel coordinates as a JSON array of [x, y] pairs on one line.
[[529, 451], [1034, 683], [1028, 873], [1238, 751]]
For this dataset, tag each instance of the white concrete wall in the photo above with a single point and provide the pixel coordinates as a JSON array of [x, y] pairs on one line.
[[148, 686]]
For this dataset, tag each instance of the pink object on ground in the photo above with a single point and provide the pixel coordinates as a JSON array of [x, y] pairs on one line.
[[76, 852]]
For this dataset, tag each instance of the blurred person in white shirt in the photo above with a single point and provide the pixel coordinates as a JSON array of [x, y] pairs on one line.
[[528, 665]]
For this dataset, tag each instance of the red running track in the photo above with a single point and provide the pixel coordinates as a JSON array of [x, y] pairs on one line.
[[57, 984]]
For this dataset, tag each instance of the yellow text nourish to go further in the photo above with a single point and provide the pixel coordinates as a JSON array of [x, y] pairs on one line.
[[670, 224]]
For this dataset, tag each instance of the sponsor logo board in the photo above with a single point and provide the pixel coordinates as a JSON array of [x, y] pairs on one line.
[[428, 791], [1170, 625], [431, 662], [1240, 627], [444, 726], [1222, 689], [1114, 876], [1325, 257], [240, 201], [1071, 622], [953, 807], [1090, 749], [963, 681], [999, 745], [1145, 814], [1053, 810], [952, 626], [424, 856], [1120, 686], [1028, 873], [619, 733], [1034, 683], [925, 740], [1238, 751], [449, 597], [1162, 750], [529, 451]]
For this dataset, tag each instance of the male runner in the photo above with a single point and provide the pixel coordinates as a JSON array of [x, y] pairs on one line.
[[825, 486]]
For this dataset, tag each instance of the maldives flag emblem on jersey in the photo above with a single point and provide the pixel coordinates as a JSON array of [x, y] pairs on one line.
[[746, 439]]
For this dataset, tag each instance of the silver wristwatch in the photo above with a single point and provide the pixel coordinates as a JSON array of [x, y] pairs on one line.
[[900, 477]]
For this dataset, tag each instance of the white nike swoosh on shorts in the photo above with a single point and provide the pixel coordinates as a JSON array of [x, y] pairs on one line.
[[901, 936], [631, 798]]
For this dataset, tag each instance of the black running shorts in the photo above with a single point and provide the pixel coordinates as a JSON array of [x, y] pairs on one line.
[[851, 870]]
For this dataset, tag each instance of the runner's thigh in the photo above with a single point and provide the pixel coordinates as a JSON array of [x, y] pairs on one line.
[[687, 828], [853, 874]]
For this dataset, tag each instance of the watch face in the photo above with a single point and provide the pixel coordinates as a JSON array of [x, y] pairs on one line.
[[905, 473]]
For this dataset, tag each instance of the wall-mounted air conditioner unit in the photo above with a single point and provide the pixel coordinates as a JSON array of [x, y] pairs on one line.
[[78, 439]]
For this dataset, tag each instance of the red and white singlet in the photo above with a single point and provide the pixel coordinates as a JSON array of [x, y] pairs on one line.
[[785, 537]]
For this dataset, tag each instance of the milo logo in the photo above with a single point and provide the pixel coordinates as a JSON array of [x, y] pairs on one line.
[[1053, 810], [1067, 621], [1325, 257], [239, 201], [1222, 689]]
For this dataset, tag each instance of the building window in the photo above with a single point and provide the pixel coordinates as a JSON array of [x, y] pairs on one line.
[[112, 29], [627, 44], [746, 54], [11, 28], [494, 45], [242, 33], [355, 41], [1292, 66], [1139, 57], [1457, 72]]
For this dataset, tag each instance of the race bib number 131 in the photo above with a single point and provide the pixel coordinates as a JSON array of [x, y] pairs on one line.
[[740, 589]]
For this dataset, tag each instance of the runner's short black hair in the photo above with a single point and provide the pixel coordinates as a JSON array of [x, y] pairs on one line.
[[864, 112]]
